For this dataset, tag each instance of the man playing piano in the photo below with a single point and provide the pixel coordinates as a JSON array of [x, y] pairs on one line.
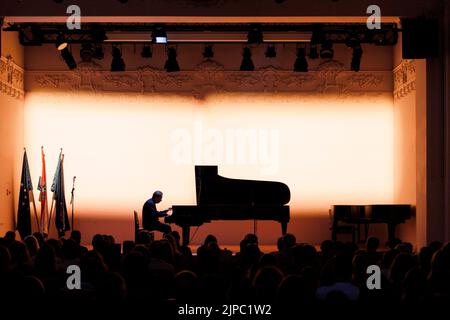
[[150, 216]]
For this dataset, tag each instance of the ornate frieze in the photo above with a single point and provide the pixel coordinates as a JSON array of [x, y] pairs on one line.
[[210, 77], [404, 79], [11, 78]]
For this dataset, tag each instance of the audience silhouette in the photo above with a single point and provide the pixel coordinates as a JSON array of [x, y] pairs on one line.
[[162, 273]]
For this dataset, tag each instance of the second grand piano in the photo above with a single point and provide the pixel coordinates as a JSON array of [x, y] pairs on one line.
[[220, 198]]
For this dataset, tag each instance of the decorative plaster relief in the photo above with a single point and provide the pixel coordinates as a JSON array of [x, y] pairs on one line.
[[404, 79], [11, 78], [210, 77]]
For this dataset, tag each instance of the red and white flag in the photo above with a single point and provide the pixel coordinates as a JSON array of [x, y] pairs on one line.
[[42, 187]]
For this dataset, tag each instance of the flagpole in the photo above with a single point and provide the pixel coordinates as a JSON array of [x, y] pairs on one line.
[[50, 217], [72, 202], [35, 211]]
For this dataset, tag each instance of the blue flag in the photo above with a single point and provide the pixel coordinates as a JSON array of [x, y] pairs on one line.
[[59, 196], [25, 197]]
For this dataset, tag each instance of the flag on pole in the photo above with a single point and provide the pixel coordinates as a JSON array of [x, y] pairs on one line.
[[25, 197], [59, 196], [42, 187]]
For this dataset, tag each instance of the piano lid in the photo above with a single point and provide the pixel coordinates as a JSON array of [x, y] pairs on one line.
[[213, 189]]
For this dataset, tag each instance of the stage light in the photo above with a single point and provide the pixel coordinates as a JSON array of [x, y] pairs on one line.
[[117, 63], [317, 35], [352, 40], [271, 51], [146, 51], [171, 64], [247, 63], [255, 36], [326, 50], [159, 35], [67, 56], [98, 52], [208, 52], [301, 64], [313, 52], [61, 42], [356, 59]]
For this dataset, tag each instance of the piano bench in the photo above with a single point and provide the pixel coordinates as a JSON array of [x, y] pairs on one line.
[[343, 229]]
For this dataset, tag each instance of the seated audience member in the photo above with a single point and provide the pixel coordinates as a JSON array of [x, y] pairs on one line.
[[186, 286], [266, 283], [40, 238], [401, 265], [32, 245], [372, 245], [10, 237], [337, 280], [20, 258], [75, 235]]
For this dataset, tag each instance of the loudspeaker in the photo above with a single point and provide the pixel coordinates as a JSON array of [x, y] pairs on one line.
[[420, 38]]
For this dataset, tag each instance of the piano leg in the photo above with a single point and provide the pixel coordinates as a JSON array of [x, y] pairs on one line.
[[186, 235], [283, 228]]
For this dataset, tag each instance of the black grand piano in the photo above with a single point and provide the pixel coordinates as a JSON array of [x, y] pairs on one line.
[[364, 215], [220, 198]]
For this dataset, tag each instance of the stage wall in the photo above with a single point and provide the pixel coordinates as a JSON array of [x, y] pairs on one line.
[[327, 148]]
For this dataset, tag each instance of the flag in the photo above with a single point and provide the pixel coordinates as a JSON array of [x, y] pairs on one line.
[[59, 196], [42, 187], [25, 198]]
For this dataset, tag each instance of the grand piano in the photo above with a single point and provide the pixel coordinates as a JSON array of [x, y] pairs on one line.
[[364, 215], [220, 198]]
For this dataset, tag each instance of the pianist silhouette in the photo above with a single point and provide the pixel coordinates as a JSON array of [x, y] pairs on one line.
[[150, 216]]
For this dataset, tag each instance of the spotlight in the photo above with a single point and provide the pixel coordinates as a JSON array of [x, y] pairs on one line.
[[208, 52], [301, 64], [271, 51], [352, 40], [117, 63], [86, 52], [171, 64], [61, 42], [247, 63], [67, 56], [255, 36], [159, 35], [146, 51], [98, 52], [317, 36], [313, 52], [326, 51], [356, 59]]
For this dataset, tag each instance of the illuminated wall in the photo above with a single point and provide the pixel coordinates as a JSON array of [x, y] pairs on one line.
[[11, 126], [122, 147]]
